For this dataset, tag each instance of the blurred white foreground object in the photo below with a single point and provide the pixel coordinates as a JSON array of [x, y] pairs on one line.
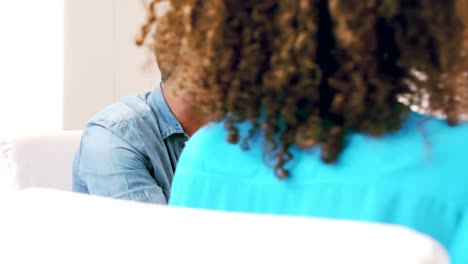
[[45, 226]]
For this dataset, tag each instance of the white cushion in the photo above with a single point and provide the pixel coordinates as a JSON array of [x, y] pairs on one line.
[[44, 226], [38, 161]]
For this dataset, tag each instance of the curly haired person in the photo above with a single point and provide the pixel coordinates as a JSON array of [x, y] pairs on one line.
[[327, 108]]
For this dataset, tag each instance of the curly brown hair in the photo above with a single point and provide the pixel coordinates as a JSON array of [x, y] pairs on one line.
[[309, 72]]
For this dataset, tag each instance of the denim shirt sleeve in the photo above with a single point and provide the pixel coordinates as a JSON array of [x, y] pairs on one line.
[[108, 165]]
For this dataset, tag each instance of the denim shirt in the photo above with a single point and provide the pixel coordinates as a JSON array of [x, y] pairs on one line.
[[130, 150]]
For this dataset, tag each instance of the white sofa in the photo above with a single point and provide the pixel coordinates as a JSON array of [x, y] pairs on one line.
[[45, 226], [57, 226], [38, 161]]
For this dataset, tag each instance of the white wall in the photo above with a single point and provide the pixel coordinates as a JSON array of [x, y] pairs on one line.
[[102, 63], [31, 66]]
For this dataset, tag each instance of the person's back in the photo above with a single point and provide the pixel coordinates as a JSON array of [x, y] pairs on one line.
[[313, 107], [416, 177]]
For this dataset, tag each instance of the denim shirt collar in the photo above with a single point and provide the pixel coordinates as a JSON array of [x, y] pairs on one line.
[[168, 123]]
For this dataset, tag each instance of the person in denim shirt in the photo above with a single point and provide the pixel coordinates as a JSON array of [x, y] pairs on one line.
[[131, 148]]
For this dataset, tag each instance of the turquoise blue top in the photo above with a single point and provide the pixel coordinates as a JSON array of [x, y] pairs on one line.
[[416, 177]]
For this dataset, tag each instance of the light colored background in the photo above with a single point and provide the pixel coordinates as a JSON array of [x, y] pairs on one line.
[[64, 60], [31, 66], [101, 62]]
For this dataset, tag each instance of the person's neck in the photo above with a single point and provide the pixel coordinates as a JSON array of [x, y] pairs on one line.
[[188, 116]]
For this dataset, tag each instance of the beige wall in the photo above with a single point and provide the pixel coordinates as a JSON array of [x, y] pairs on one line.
[[102, 63]]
